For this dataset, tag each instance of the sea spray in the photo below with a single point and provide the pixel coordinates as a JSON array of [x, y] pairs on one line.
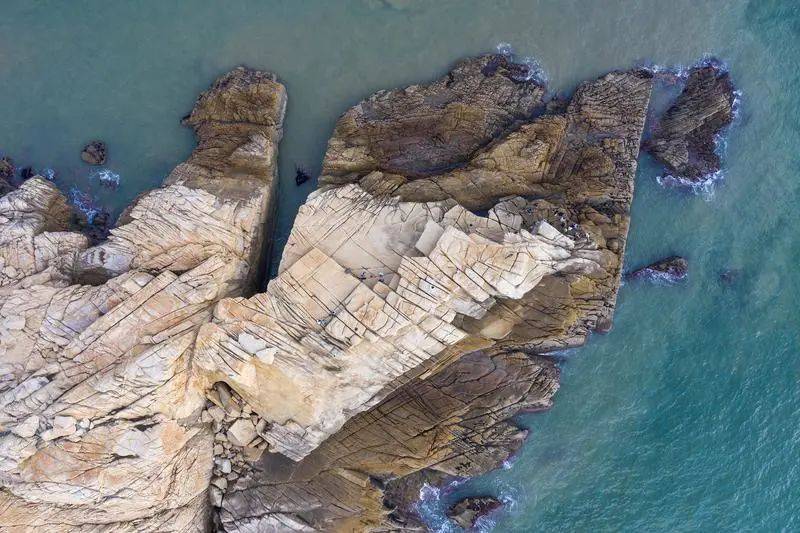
[[106, 177], [533, 70], [704, 187], [84, 203], [676, 76]]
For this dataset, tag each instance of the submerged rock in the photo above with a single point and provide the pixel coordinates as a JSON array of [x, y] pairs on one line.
[[730, 276], [670, 269], [467, 511], [7, 169], [685, 138], [94, 153], [27, 173], [301, 176], [6, 175]]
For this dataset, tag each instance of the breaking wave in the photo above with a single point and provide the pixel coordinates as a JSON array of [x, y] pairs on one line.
[[533, 71], [704, 187], [84, 203], [106, 177]]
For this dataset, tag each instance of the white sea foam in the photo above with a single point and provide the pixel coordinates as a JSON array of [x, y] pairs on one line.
[[84, 203], [534, 70], [106, 177], [505, 49], [704, 187], [49, 174]]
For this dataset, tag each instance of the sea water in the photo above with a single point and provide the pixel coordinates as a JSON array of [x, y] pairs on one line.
[[686, 417]]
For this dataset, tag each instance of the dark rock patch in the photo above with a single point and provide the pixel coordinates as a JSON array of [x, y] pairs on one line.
[[466, 512], [670, 269], [300, 175], [729, 277], [685, 138], [94, 153]]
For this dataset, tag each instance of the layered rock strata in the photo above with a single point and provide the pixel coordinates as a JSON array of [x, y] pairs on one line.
[[670, 269], [469, 510], [685, 138], [463, 230], [100, 423], [415, 292]]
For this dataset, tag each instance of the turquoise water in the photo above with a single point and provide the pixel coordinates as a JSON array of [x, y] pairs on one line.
[[687, 416]]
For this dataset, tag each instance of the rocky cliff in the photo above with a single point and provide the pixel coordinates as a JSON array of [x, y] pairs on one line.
[[99, 415], [415, 293], [463, 229]]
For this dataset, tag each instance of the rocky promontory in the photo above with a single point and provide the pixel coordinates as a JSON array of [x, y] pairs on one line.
[[685, 138], [415, 296], [100, 426], [462, 230]]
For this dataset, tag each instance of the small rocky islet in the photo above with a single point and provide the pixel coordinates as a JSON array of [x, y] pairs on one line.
[[462, 230]]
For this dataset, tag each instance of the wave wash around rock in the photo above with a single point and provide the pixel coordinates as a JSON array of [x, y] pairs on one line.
[[462, 230]]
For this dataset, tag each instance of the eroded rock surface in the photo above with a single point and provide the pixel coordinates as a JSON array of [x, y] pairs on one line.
[[670, 269], [424, 129], [463, 229], [685, 138], [100, 425], [387, 351], [469, 510], [94, 153]]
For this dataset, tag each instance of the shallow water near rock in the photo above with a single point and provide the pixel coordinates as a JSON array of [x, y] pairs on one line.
[[685, 416]]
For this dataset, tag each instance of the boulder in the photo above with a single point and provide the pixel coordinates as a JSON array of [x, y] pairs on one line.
[[670, 269], [94, 153], [466, 512], [685, 137], [241, 432]]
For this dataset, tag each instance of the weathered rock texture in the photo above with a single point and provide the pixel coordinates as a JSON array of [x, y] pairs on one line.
[[94, 153], [462, 230], [469, 510], [100, 423], [424, 129], [456, 235], [670, 269], [685, 138]]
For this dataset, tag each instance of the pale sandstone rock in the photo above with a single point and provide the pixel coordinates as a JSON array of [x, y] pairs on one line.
[[116, 354], [397, 258], [384, 353], [241, 433], [28, 427], [340, 333]]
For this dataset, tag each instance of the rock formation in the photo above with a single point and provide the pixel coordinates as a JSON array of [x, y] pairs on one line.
[[463, 229], [467, 512], [387, 351], [6, 175], [670, 269], [685, 138], [100, 420], [94, 153]]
